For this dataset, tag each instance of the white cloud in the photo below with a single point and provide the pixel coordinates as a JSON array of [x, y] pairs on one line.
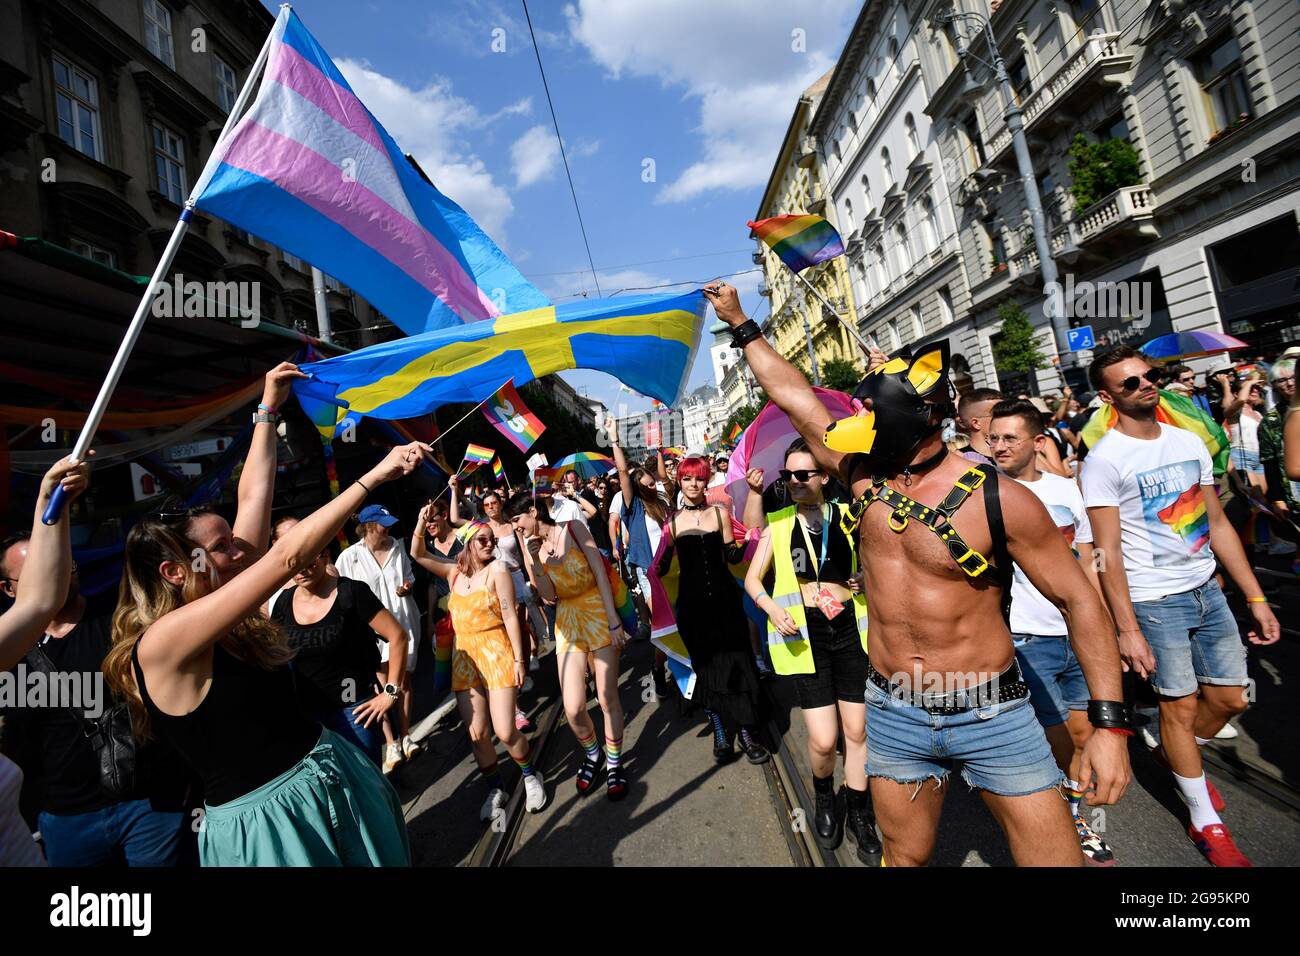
[[490, 28], [429, 123], [734, 56], [534, 156]]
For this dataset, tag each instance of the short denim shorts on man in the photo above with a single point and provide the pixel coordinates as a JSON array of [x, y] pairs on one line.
[[1194, 639], [1055, 679], [1001, 748]]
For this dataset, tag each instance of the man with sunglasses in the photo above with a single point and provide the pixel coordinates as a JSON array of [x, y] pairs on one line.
[[1157, 521]]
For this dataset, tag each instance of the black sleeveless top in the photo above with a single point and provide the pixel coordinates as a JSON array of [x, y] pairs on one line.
[[247, 731]]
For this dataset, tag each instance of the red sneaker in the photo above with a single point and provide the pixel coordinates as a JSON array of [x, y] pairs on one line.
[[1215, 842], [1216, 798]]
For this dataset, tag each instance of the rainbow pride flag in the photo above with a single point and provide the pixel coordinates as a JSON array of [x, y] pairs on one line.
[[511, 417], [497, 471], [1176, 410], [1187, 518], [545, 479], [799, 241], [478, 453], [735, 433]]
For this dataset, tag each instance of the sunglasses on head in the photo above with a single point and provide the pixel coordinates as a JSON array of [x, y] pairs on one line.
[[800, 474], [1133, 381]]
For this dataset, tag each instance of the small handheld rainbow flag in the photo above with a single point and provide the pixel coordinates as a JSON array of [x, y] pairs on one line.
[[1176, 410], [497, 471], [799, 241], [511, 417], [734, 433], [478, 453], [545, 479]]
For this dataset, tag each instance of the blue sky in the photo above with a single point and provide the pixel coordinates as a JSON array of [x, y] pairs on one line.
[[705, 90]]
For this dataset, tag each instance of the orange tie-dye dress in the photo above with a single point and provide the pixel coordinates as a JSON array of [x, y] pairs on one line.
[[482, 655], [581, 624]]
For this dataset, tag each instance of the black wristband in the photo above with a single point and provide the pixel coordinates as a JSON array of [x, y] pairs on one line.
[[1109, 714], [745, 333]]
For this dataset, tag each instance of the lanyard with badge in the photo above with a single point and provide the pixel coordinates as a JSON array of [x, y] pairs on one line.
[[824, 601]]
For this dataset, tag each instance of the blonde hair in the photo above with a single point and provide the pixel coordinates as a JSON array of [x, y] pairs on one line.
[[146, 596]]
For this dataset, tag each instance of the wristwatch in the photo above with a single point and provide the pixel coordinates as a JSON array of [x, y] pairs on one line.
[[393, 691]]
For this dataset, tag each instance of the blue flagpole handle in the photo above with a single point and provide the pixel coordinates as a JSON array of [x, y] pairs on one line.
[[54, 510]]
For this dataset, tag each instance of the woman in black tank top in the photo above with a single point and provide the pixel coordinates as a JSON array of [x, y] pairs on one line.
[[201, 668]]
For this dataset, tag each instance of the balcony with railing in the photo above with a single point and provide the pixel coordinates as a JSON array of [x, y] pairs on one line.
[[1097, 232], [1101, 61]]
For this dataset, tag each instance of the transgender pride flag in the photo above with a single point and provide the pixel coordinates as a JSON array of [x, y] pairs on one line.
[[309, 169]]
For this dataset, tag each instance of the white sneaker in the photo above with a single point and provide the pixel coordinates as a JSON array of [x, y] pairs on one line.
[[534, 663], [1226, 732], [534, 793], [1151, 736], [410, 748], [392, 757], [526, 686], [496, 800]]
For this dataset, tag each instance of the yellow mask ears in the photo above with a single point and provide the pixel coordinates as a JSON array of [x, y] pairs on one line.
[[926, 370], [856, 434], [890, 367]]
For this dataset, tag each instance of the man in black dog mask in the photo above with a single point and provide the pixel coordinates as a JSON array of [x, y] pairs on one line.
[[943, 688]]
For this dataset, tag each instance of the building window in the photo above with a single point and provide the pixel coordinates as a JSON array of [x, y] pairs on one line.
[[972, 143], [835, 150], [101, 255], [158, 31], [918, 324], [946, 314], [929, 226], [76, 102], [878, 264], [893, 56], [1050, 200], [950, 44], [1020, 82], [1223, 83], [866, 194], [169, 163], [1114, 128], [904, 250], [895, 340], [864, 286], [997, 250], [227, 85], [888, 168], [913, 141], [848, 216]]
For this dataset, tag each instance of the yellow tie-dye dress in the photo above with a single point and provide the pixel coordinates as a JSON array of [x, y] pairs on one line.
[[581, 624], [482, 655]]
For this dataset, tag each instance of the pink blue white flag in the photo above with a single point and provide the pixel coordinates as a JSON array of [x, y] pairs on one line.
[[309, 169]]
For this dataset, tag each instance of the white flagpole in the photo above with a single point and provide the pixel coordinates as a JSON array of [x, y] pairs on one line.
[[55, 507], [868, 343]]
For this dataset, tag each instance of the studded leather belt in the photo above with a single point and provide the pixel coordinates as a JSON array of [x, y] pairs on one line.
[[1008, 686]]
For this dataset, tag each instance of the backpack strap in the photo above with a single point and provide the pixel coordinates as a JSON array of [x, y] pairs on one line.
[[1002, 569]]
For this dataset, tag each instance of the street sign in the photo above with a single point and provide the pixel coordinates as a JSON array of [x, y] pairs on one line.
[[1080, 338], [196, 449]]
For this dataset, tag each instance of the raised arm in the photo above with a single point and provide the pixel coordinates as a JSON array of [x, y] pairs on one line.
[[620, 461], [783, 383], [1051, 567], [44, 584], [754, 516], [190, 630], [453, 513], [252, 525], [420, 549]]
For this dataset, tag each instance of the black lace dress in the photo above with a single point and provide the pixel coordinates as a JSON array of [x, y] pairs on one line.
[[712, 622]]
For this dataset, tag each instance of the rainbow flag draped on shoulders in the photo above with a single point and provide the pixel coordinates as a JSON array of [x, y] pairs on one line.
[[309, 169], [1176, 410], [799, 241], [647, 341]]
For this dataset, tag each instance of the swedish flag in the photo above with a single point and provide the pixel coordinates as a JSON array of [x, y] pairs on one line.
[[646, 341]]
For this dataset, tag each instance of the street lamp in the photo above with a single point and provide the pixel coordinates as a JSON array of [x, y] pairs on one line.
[[1016, 125]]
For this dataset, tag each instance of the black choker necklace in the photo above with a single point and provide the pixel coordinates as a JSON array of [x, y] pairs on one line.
[[921, 467], [687, 506]]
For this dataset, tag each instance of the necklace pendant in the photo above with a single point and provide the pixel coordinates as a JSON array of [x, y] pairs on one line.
[[907, 478]]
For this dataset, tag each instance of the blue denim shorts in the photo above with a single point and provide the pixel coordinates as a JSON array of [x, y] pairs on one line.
[[1195, 640], [1055, 679], [1001, 748]]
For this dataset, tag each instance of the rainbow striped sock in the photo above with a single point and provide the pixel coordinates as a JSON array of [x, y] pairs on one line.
[[492, 777], [526, 765], [613, 751], [1074, 795], [589, 746]]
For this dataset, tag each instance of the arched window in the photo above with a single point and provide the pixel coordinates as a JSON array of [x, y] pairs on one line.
[[929, 226], [879, 265], [848, 215], [895, 340], [893, 55], [904, 249], [913, 141], [918, 324], [888, 167], [864, 284], [871, 93], [866, 194]]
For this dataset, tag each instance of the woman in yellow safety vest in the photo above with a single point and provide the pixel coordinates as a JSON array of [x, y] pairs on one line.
[[817, 635]]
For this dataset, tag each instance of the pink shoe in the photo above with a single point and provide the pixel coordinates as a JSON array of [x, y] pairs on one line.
[[522, 723]]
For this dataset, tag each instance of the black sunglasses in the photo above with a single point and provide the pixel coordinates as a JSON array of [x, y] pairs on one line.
[[800, 474], [1133, 381]]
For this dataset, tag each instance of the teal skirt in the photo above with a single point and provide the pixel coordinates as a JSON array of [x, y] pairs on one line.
[[333, 808]]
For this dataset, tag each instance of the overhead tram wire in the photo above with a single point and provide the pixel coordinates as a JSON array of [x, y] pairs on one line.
[[563, 154]]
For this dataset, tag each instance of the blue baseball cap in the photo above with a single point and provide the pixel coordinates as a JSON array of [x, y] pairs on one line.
[[378, 514]]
